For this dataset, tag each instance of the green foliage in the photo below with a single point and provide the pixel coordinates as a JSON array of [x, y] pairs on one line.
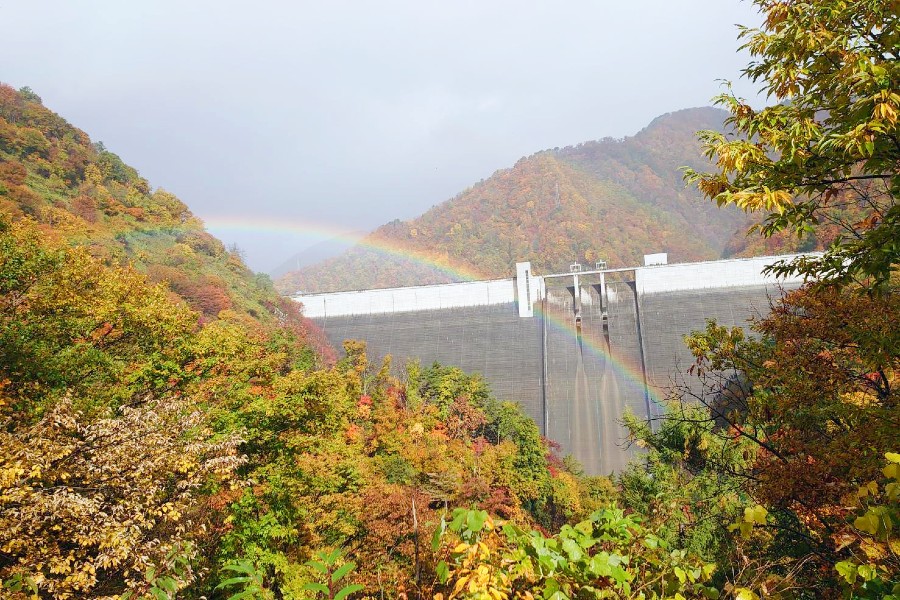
[[70, 325], [248, 579], [442, 385], [684, 484], [609, 555], [327, 566], [340, 457]]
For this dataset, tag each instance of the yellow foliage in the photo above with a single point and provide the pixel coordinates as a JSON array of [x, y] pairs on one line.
[[115, 520]]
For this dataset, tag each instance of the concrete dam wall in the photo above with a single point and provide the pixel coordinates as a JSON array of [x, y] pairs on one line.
[[575, 350]]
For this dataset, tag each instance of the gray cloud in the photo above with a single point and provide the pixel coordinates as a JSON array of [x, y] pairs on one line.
[[355, 113]]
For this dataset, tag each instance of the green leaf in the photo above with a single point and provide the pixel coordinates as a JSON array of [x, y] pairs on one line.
[[168, 584], [347, 590], [619, 574], [436, 538], [317, 587], [600, 565], [443, 572], [232, 581], [551, 588], [867, 572], [892, 490], [847, 570], [320, 567], [475, 520], [585, 527], [240, 567], [868, 523], [341, 571], [572, 548], [711, 593], [459, 517], [680, 574], [159, 594], [248, 594]]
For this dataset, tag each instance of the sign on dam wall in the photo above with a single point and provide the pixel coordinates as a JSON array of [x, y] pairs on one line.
[[575, 350]]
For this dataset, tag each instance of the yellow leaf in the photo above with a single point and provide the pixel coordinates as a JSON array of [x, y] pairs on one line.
[[757, 515], [873, 550], [868, 523]]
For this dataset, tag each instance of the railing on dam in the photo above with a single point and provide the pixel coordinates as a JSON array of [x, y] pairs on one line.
[[575, 350]]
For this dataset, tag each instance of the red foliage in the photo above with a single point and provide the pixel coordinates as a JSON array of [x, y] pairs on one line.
[[85, 207], [290, 316], [29, 202], [555, 462], [137, 212], [13, 172], [210, 299], [464, 419], [205, 294]]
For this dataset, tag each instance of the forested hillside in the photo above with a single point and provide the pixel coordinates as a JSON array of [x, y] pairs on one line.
[[612, 200], [82, 193]]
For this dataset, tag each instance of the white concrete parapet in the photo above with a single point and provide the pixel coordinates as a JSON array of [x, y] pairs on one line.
[[711, 274], [528, 288], [416, 298]]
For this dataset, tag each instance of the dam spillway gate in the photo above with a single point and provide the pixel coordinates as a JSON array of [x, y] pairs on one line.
[[575, 350]]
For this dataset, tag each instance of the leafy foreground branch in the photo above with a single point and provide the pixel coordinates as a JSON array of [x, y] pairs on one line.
[[827, 153]]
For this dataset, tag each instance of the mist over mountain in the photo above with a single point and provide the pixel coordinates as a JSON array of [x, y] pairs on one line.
[[315, 253], [611, 199]]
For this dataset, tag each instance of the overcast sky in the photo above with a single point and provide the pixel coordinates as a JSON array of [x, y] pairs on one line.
[[351, 114]]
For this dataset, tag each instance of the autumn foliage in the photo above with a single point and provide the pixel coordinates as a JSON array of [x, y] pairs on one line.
[[170, 427]]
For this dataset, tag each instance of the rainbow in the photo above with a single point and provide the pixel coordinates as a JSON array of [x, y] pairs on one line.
[[632, 374], [323, 231]]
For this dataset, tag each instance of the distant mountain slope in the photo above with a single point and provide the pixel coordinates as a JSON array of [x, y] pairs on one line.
[[612, 200]]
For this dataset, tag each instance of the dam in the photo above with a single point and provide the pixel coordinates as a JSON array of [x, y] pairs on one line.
[[575, 350]]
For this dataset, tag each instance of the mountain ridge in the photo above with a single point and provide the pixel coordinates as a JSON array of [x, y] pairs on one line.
[[608, 199]]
